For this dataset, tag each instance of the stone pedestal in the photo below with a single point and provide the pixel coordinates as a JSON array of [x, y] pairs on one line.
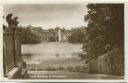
[[13, 63]]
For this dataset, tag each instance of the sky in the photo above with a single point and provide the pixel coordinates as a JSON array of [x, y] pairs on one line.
[[48, 15]]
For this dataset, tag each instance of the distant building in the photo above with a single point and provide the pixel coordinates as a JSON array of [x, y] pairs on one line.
[[45, 36], [59, 35], [63, 35]]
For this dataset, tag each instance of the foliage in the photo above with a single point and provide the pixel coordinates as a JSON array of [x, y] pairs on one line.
[[105, 29], [77, 35], [52, 39], [31, 35], [34, 35], [77, 68], [50, 69], [109, 63], [53, 33], [53, 36]]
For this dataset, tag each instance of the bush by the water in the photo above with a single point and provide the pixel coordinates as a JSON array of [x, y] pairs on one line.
[[110, 63], [77, 68]]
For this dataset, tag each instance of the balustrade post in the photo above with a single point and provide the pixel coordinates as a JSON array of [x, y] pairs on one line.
[[14, 50]]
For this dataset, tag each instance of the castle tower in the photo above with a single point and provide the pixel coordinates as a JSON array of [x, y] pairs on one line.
[[59, 35]]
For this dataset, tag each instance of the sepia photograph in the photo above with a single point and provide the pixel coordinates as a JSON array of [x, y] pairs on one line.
[[63, 41]]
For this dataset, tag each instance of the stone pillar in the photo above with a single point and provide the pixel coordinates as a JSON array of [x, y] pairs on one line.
[[12, 59], [8, 50]]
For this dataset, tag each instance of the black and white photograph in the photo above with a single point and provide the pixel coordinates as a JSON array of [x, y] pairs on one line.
[[63, 41]]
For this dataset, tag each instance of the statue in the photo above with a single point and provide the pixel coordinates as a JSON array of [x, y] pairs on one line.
[[12, 21], [15, 21], [9, 19]]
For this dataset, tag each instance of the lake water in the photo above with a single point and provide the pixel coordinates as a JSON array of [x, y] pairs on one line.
[[52, 54], [56, 54]]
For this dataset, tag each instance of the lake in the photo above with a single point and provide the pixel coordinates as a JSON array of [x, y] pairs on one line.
[[52, 54], [57, 54]]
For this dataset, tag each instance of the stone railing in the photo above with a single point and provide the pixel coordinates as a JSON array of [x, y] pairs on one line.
[[13, 64]]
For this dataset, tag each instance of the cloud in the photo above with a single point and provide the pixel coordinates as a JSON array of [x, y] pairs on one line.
[[48, 15]]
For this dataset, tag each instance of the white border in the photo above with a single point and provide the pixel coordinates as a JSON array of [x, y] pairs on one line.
[[61, 2]]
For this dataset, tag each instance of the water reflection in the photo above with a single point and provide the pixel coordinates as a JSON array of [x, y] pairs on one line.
[[57, 55], [51, 53]]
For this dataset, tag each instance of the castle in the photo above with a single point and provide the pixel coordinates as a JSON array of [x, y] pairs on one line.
[[56, 36]]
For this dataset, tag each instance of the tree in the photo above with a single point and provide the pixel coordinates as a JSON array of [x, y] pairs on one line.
[[77, 35], [31, 35], [105, 28]]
